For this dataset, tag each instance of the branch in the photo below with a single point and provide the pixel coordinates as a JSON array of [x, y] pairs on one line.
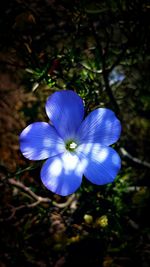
[[132, 223], [27, 190], [38, 199], [136, 160], [104, 69], [119, 58], [65, 204]]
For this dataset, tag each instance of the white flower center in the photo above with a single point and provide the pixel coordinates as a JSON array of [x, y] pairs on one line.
[[71, 145]]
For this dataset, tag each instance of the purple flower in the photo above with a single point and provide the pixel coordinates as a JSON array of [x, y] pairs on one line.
[[73, 146]]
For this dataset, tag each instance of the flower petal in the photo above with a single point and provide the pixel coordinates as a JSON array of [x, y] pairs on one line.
[[40, 141], [62, 174], [65, 110], [102, 162], [100, 126]]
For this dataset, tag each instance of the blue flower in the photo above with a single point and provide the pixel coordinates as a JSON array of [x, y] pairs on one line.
[[72, 145], [116, 76]]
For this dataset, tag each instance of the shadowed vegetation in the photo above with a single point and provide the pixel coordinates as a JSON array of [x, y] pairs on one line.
[[100, 49]]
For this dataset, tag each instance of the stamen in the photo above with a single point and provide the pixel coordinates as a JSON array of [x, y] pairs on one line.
[[71, 145]]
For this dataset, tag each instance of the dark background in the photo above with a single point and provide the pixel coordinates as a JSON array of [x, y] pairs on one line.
[[101, 50]]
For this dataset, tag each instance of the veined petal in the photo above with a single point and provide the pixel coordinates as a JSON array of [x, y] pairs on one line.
[[100, 126], [102, 162], [40, 141], [65, 110], [62, 174]]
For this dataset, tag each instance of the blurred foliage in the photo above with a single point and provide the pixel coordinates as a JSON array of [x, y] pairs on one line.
[[101, 50]]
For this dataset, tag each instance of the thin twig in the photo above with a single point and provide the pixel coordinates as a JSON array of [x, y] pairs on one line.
[[132, 223], [38, 199], [27, 190], [65, 204], [136, 160], [104, 68], [119, 58]]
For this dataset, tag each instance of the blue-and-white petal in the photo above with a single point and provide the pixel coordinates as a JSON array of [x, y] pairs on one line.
[[100, 126], [62, 174], [102, 163], [40, 141], [65, 110]]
